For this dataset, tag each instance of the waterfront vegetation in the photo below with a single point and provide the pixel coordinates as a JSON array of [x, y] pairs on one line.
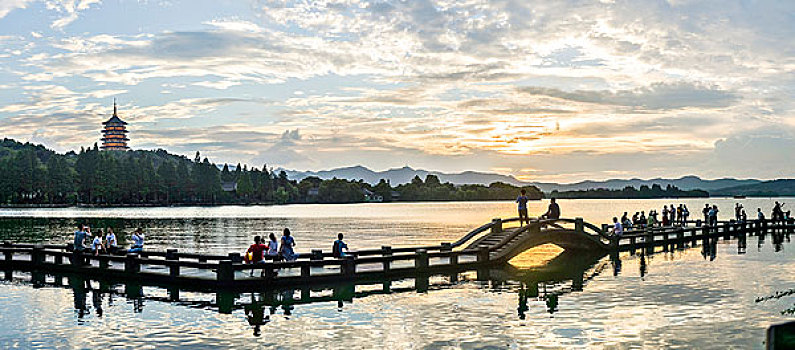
[[645, 192], [34, 175]]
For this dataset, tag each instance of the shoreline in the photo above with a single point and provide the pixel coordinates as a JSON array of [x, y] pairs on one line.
[[272, 204]]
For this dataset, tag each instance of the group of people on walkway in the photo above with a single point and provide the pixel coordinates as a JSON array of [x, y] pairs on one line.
[[105, 242], [275, 250], [283, 250]]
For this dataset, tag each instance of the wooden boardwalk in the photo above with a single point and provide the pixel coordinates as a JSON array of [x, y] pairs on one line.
[[491, 244]]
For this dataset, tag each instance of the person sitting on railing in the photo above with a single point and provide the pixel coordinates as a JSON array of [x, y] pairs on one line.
[[287, 245], [759, 214], [652, 220], [96, 245], [111, 244], [618, 229], [138, 241], [255, 253], [338, 246], [273, 247], [553, 212]]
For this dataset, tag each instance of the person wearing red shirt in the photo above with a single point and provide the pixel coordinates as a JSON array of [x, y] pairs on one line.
[[255, 253]]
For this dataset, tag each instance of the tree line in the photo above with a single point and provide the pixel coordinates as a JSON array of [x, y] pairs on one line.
[[630, 192], [34, 175]]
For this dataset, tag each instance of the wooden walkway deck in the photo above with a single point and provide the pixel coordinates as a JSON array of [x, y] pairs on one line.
[[491, 244]]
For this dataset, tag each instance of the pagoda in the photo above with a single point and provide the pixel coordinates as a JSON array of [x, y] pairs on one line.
[[114, 134]]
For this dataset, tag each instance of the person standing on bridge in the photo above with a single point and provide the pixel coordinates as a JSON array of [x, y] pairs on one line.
[[522, 200], [618, 229], [553, 212], [706, 213], [685, 214]]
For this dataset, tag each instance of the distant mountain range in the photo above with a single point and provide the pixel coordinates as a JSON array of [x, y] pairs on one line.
[[727, 186], [403, 175]]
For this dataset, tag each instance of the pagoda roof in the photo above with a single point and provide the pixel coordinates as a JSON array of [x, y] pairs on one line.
[[114, 120]]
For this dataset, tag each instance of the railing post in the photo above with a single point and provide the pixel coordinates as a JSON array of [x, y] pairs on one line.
[[235, 258], [496, 225], [579, 226], [226, 272], [421, 259], [316, 254], [448, 248], [9, 255], [386, 252], [306, 271], [37, 255], [132, 263], [649, 240], [483, 255], [349, 266], [104, 263], [680, 236], [172, 255]]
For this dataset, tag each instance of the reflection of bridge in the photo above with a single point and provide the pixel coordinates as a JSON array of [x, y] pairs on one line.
[[491, 244], [577, 268]]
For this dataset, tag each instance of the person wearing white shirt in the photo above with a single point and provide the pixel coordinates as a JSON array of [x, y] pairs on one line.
[[618, 229], [111, 244], [96, 245]]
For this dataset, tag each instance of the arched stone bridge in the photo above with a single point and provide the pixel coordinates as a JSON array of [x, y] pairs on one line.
[[503, 244]]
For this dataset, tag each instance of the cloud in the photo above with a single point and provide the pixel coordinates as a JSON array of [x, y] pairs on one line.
[[6, 6], [458, 84], [657, 96]]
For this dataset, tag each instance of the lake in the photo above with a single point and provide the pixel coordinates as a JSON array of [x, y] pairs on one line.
[[701, 297]]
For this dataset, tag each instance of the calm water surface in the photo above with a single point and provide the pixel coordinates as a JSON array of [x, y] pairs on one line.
[[694, 298]]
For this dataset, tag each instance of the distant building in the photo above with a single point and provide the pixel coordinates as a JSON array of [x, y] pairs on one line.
[[114, 133], [370, 196], [229, 186], [313, 192]]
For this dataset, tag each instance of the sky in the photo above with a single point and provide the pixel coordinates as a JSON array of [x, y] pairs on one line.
[[543, 90]]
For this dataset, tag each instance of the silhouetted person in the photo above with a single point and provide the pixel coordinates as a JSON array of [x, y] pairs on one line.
[[706, 213], [553, 212], [522, 200]]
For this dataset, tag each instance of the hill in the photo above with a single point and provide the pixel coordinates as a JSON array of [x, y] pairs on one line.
[[404, 175], [774, 188]]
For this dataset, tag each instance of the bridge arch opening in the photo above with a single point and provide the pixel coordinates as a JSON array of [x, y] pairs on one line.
[[535, 257]]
